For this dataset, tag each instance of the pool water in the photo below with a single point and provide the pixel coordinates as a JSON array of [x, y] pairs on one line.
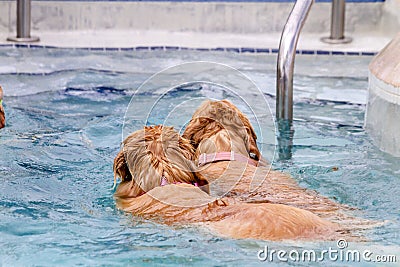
[[65, 115]]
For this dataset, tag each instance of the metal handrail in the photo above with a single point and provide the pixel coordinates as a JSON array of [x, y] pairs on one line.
[[337, 24], [284, 78], [23, 23]]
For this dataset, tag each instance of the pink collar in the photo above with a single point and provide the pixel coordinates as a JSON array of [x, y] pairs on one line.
[[225, 156], [164, 181]]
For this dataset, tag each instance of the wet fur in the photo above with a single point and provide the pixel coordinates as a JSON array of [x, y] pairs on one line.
[[153, 153], [219, 126], [148, 154]]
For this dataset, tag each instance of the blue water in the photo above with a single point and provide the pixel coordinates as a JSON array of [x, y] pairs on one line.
[[65, 117]]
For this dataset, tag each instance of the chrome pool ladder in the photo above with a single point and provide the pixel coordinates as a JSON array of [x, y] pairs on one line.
[[284, 77], [23, 23]]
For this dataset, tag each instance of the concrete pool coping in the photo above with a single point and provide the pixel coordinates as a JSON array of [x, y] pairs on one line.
[[362, 42], [203, 24]]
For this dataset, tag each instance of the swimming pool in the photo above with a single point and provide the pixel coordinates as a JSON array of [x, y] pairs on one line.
[[65, 114]]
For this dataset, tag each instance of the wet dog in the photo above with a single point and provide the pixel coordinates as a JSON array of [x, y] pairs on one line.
[[229, 159], [159, 182]]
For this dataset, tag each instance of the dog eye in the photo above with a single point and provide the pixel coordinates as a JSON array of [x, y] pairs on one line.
[[253, 156]]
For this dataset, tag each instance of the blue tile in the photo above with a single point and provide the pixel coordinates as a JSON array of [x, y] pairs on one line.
[[218, 49], [142, 48], [263, 50], [127, 49], [36, 46], [322, 52], [247, 50], [368, 53], [83, 48], [233, 49], [353, 53], [156, 48], [307, 52], [202, 49], [172, 48], [335, 53], [112, 49], [56, 47], [21, 45], [274, 50], [96, 48]]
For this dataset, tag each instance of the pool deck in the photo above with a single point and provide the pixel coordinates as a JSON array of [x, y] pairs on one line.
[[199, 24], [373, 42]]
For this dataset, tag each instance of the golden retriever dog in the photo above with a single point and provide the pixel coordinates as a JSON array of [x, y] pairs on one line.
[[2, 115], [158, 182], [219, 129]]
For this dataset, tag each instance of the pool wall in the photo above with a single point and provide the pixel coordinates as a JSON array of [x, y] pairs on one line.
[[383, 108], [202, 16]]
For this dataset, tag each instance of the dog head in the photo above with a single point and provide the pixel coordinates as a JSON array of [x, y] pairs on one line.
[[2, 115], [213, 117], [151, 155]]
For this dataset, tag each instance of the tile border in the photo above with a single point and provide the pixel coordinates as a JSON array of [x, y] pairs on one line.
[[199, 1], [239, 50]]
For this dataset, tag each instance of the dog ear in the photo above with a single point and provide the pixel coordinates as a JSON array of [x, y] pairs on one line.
[[121, 168], [199, 179], [252, 149], [128, 188], [202, 183], [126, 192], [201, 128], [251, 138], [193, 127]]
